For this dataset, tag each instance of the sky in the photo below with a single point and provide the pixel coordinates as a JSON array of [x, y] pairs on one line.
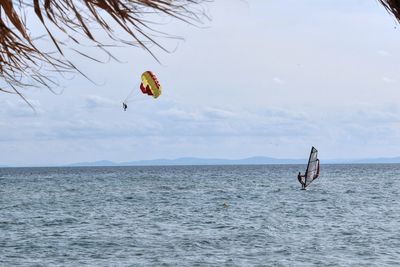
[[258, 79]]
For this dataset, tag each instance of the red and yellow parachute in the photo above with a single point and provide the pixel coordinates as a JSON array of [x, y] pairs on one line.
[[150, 84]]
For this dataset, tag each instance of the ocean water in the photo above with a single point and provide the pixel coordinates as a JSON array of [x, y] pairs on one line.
[[200, 216]]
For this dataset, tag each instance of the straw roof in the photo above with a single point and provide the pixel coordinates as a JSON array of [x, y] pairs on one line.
[[69, 24], [393, 6], [24, 64]]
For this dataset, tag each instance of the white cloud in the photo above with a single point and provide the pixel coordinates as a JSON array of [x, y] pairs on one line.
[[95, 101], [388, 80], [19, 108], [278, 80], [383, 53], [179, 114], [217, 113]]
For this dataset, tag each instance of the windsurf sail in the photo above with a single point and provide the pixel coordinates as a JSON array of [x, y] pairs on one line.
[[312, 171]]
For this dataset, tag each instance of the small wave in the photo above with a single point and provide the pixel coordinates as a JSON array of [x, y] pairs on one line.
[[165, 187], [59, 222], [319, 200], [70, 190]]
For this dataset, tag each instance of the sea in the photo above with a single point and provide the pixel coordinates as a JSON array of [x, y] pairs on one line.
[[200, 216]]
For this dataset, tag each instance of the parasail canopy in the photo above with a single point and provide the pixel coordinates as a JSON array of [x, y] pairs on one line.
[[150, 84]]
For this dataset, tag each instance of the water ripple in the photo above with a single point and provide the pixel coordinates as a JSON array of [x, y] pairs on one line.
[[199, 216]]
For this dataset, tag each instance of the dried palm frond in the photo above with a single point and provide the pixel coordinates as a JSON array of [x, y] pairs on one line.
[[393, 6], [24, 64]]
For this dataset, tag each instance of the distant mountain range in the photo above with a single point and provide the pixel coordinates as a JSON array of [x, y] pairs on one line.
[[245, 161], [194, 161], [368, 161]]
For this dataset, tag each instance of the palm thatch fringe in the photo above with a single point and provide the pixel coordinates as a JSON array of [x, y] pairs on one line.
[[393, 6], [24, 64]]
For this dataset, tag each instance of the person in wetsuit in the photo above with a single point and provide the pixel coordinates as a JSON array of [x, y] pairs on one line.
[[125, 106], [299, 177]]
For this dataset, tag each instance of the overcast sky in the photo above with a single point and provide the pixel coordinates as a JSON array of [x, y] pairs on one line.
[[259, 79]]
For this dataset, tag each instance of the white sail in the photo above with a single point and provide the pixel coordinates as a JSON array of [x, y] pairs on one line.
[[312, 171]]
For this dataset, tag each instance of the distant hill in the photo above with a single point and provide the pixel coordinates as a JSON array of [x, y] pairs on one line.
[[202, 161], [94, 164], [377, 160], [193, 161], [215, 161], [393, 160]]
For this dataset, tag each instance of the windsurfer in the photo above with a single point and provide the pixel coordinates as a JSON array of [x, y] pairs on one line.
[[301, 180]]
